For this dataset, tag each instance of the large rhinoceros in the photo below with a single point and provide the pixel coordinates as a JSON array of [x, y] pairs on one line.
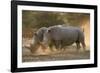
[[64, 36]]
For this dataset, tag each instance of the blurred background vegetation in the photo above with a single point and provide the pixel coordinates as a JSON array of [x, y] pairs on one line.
[[33, 20]]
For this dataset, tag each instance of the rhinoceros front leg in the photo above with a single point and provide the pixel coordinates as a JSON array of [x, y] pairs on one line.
[[58, 45]]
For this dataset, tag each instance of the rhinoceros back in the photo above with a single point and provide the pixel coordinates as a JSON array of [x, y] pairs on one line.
[[67, 35]]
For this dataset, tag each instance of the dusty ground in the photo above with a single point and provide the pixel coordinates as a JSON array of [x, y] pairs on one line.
[[70, 53]]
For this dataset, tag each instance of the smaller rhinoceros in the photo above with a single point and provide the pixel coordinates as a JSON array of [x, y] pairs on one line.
[[38, 38]]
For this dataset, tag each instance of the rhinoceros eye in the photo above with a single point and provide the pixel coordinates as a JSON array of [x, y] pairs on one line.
[[35, 34], [49, 30]]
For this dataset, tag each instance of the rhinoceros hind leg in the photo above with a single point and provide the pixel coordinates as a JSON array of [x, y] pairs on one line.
[[83, 44], [78, 45]]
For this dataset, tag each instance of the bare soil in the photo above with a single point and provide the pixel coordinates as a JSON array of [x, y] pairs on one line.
[[69, 53], [58, 56]]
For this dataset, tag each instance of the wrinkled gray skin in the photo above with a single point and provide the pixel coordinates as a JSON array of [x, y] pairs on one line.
[[40, 33], [38, 38], [64, 36]]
